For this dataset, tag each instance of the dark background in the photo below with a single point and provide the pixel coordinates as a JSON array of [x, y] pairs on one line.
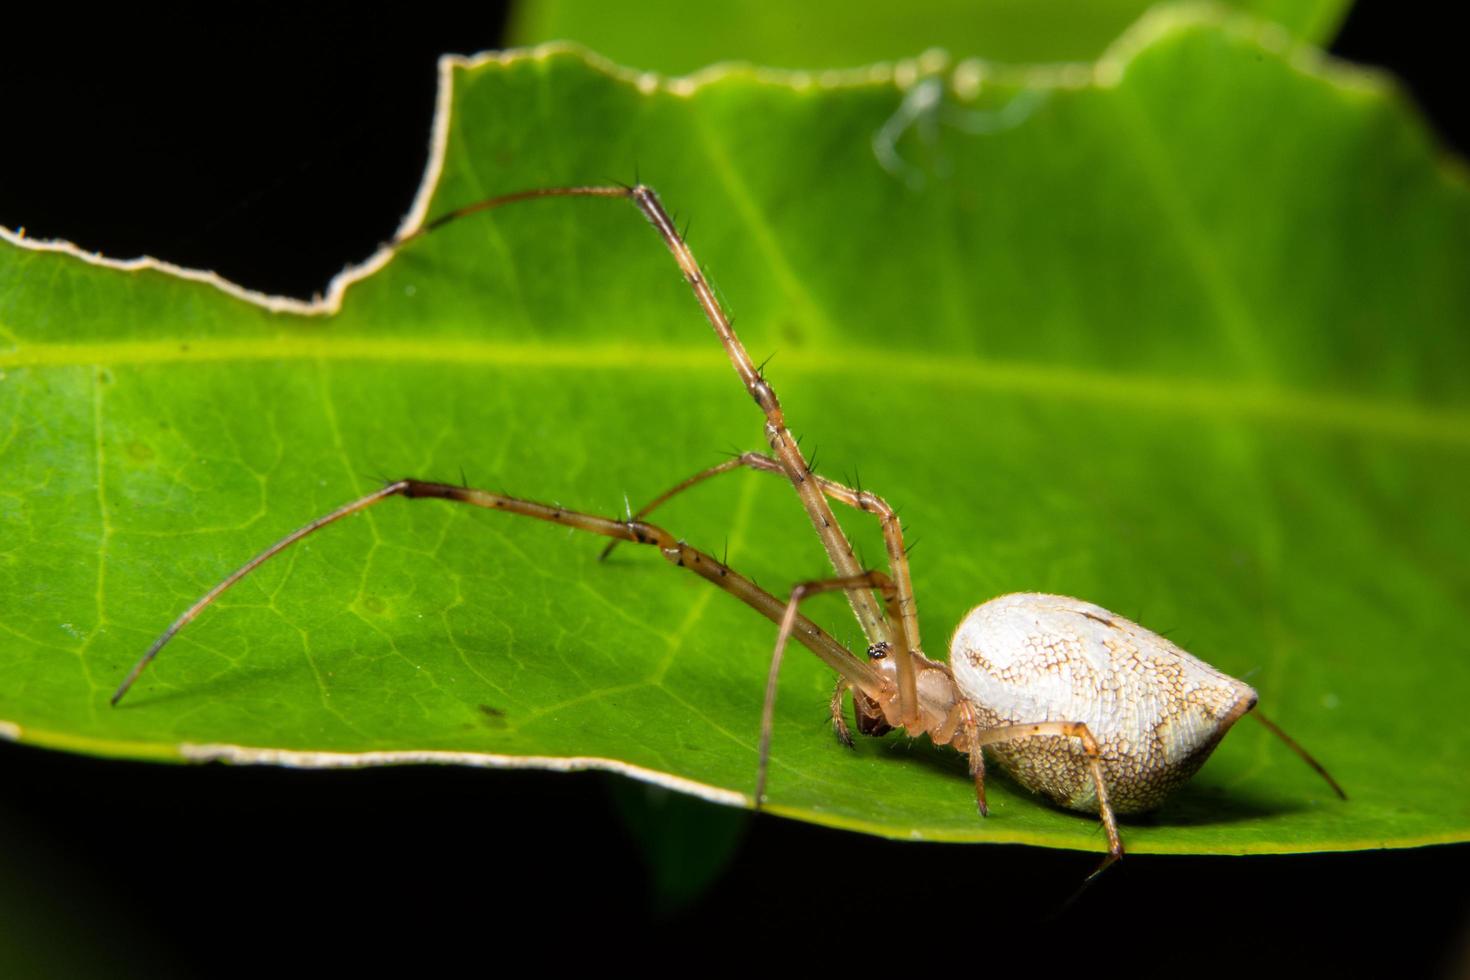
[[278, 149]]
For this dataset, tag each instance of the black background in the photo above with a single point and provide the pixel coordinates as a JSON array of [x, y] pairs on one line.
[[278, 149]]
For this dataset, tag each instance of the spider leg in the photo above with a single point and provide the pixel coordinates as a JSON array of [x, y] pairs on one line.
[[783, 445], [874, 580], [1066, 729], [863, 500], [853, 669], [962, 718]]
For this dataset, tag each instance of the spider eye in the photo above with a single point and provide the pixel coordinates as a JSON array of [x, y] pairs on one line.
[[878, 651]]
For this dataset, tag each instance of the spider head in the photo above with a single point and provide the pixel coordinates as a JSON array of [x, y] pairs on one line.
[[867, 712], [933, 683]]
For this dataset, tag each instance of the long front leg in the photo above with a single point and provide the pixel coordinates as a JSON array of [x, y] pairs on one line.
[[675, 551], [783, 445]]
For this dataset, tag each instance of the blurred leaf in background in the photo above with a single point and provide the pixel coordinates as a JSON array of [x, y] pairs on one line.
[[678, 38]]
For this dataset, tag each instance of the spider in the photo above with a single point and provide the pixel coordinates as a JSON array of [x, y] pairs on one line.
[[1077, 704]]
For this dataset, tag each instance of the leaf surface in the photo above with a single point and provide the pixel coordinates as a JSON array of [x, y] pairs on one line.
[[1185, 338]]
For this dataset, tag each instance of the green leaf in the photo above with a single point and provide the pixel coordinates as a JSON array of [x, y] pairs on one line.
[[678, 38], [1184, 337]]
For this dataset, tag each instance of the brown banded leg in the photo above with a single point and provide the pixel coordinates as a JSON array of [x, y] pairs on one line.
[[960, 726], [977, 765], [1079, 731], [853, 669], [787, 454], [859, 499], [874, 580]]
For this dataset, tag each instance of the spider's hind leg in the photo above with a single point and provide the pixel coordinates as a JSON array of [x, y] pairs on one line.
[[1065, 729]]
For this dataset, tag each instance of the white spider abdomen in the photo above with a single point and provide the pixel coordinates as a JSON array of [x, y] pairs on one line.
[[1156, 711]]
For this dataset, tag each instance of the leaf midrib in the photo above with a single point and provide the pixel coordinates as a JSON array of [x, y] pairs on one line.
[[1258, 402]]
